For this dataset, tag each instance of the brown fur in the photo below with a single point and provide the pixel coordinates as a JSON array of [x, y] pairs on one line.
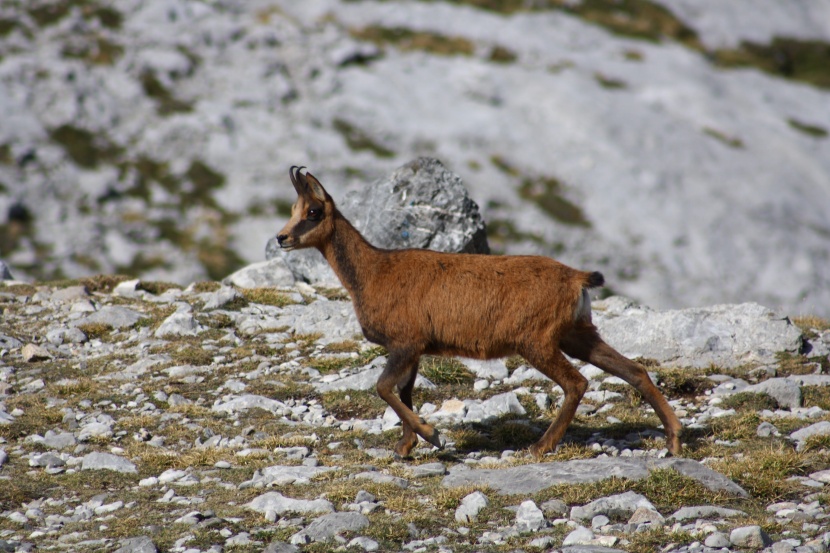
[[416, 302]]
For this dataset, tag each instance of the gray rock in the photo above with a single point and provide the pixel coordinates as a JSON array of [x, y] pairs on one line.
[[5, 273], [307, 265], [380, 478], [281, 547], [364, 543], [328, 526], [237, 404], [129, 289], [180, 323], [646, 515], [470, 507], [9, 342], [717, 540], [114, 316], [95, 430], [365, 497], [74, 336], [750, 537], [710, 479], [491, 369], [810, 379], [280, 475], [141, 544], [599, 521], [705, 511], [3, 457], [533, 478], [579, 536], [420, 205], [364, 379], [766, 429], [280, 504], [529, 517], [554, 508], [46, 460], [429, 469], [274, 273], [496, 406], [69, 294], [818, 429], [240, 540], [544, 543], [220, 298], [107, 461], [33, 352], [785, 391], [723, 335], [334, 320], [588, 548], [613, 506]]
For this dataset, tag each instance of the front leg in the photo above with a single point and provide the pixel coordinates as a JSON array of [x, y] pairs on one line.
[[409, 439], [402, 366]]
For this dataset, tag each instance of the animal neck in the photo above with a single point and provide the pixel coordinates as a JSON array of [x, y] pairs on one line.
[[349, 254]]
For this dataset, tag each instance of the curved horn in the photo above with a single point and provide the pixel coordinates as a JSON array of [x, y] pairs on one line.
[[298, 180]]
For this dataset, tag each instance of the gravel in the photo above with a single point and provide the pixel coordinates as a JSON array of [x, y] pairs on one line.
[[239, 436]]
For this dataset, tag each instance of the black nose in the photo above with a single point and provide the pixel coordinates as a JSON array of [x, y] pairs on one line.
[[281, 238]]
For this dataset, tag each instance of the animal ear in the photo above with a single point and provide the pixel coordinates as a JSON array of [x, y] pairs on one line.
[[297, 180], [315, 188]]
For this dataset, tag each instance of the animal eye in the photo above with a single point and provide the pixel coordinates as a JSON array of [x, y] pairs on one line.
[[314, 213]]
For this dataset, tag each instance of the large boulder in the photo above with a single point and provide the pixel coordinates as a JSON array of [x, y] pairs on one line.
[[420, 205], [723, 335]]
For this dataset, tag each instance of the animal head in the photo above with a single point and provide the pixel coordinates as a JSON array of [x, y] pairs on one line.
[[312, 215]]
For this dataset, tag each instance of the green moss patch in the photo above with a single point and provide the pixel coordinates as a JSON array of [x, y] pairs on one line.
[[723, 138], [547, 193], [806, 61], [358, 140], [407, 40], [84, 147], [166, 102], [501, 54], [609, 83], [810, 130]]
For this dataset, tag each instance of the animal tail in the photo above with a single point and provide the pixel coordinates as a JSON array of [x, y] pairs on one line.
[[595, 280]]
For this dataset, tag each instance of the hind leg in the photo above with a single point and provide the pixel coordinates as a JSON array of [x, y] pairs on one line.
[[585, 343], [555, 366]]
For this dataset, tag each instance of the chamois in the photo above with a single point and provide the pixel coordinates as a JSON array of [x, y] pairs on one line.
[[416, 302]]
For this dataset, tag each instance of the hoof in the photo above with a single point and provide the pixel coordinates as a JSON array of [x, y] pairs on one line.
[[675, 447], [438, 440], [538, 451], [402, 450]]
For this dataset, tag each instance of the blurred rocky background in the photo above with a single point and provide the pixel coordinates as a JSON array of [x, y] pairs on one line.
[[679, 146]]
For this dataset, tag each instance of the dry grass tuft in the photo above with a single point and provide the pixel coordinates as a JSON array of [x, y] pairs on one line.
[[811, 323], [763, 472], [448, 499], [266, 296], [95, 330], [445, 370], [353, 404]]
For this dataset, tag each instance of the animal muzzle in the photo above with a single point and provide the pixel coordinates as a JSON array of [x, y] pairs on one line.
[[285, 241]]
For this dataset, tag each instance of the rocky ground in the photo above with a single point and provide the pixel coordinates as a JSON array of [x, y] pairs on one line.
[[138, 416], [680, 146]]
